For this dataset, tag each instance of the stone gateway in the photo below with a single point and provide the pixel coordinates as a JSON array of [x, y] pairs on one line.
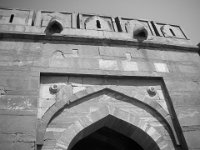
[[72, 81]]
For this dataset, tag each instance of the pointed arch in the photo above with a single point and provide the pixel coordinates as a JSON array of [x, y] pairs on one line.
[[99, 23], [149, 137], [138, 30], [56, 23], [138, 99], [54, 26]]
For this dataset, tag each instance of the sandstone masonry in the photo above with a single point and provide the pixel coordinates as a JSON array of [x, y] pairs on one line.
[[69, 77]]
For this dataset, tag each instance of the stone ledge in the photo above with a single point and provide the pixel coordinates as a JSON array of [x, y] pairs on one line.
[[18, 112], [87, 38]]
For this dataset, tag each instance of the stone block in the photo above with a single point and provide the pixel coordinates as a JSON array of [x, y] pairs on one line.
[[18, 102], [67, 136], [129, 66], [161, 67], [99, 114], [34, 83], [18, 124], [17, 145], [153, 133], [85, 121], [4, 19], [112, 51], [124, 115], [189, 69], [88, 51], [81, 94], [179, 85], [150, 54], [7, 45], [174, 56], [60, 63], [64, 63], [17, 83], [193, 139], [19, 28], [145, 66], [88, 63], [128, 56], [188, 115], [78, 89], [194, 57], [16, 137], [185, 98], [108, 64]]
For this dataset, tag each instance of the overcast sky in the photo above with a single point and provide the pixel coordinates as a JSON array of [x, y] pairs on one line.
[[185, 13]]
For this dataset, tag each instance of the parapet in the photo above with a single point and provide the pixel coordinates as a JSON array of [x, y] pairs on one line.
[[89, 25]]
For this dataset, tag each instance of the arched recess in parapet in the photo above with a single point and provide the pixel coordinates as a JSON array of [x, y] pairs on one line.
[[167, 31], [55, 24], [140, 100], [97, 23], [138, 30]]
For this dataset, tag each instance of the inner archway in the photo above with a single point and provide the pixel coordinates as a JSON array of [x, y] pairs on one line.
[[106, 139], [109, 133]]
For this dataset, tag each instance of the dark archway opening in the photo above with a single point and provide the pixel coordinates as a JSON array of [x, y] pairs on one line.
[[98, 24], [140, 35], [172, 32], [106, 139], [54, 27]]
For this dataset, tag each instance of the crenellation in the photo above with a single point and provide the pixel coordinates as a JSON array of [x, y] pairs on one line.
[[73, 21]]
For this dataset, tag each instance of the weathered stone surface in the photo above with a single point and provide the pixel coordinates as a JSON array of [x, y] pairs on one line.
[[188, 115], [17, 145], [102, 74], [18, 102], [88, 50], [161, 67], [129, 66], [14, 124], [185, 98], [108, 64], [192, 138]]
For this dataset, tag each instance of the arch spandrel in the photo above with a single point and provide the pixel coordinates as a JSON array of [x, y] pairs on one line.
[[89, 105], [104, 119]]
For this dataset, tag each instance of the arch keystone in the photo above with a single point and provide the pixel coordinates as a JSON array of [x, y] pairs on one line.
[[99, 114]]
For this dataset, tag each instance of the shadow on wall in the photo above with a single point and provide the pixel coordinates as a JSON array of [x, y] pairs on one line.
[[140, 33], [54, 26], [199, 47]]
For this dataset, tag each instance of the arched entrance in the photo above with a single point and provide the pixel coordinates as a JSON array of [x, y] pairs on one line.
[[106, 139], [111, 133], [106, 112]]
